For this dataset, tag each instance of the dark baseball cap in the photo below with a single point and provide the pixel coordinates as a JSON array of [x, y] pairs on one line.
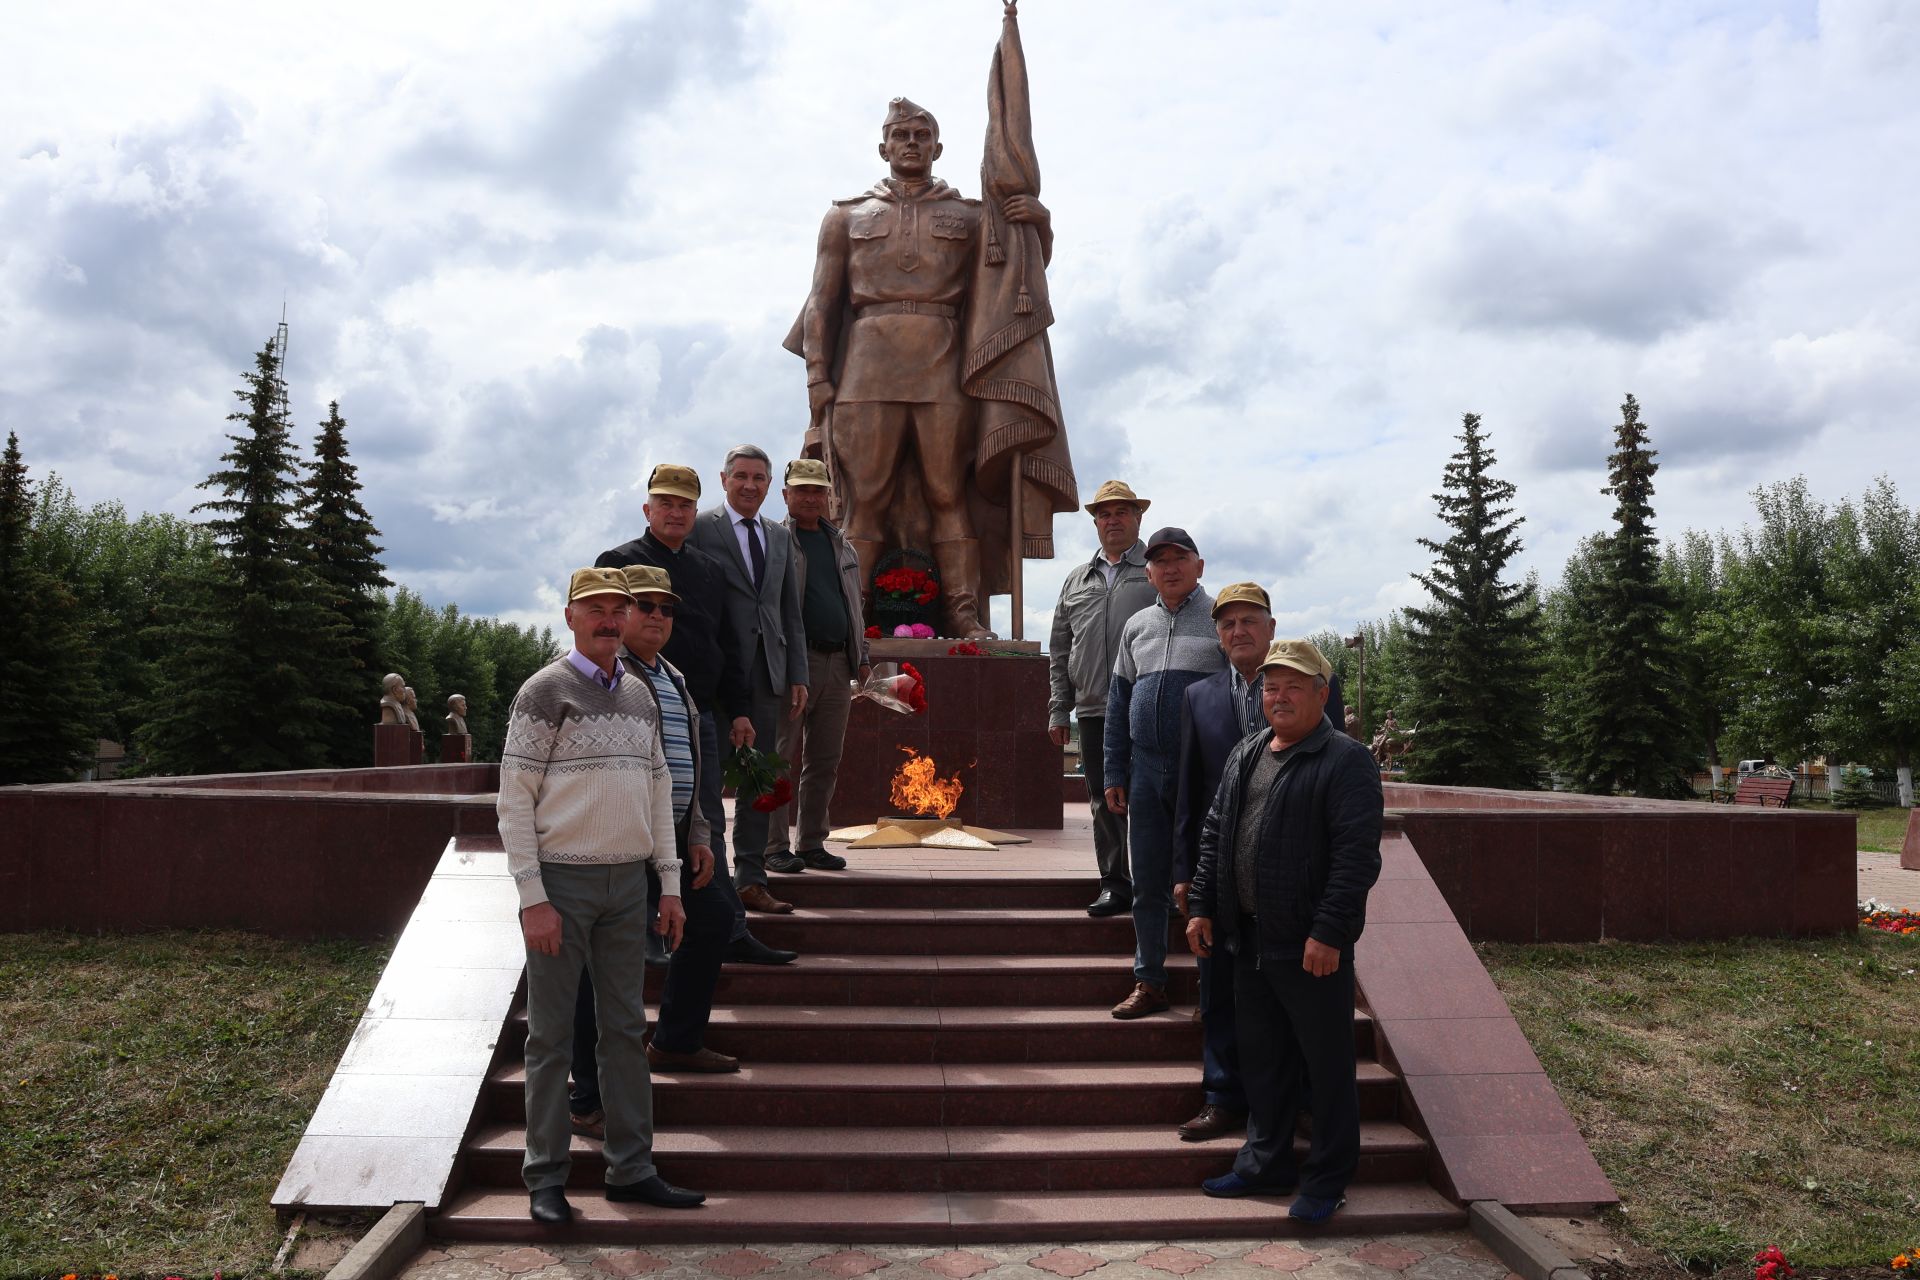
[[1171, 536]]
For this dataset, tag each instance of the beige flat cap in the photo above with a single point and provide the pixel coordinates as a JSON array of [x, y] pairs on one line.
[[649, 578], [675, 481], [597, 582], [1241, 593], [1302, 655]]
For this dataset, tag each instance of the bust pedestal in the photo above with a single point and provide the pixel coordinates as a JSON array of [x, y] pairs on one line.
[[986, 721], [456, 748], [392, 745], [416, 747]]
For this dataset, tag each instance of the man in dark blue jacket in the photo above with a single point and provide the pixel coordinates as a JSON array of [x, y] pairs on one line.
[[1288, 852], [1218, 712]]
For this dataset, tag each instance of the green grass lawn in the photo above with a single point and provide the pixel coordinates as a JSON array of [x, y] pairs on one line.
[[1882, 830], [155, 1087], [1739, 1094]]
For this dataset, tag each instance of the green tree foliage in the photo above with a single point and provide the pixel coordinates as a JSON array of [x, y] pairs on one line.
[[1704, 639], [118, 569], [1473, 653], [440, 653], [1780, 608], [1618, 669], [1873, 580], [338, 539], [50, 701], [237, 689]]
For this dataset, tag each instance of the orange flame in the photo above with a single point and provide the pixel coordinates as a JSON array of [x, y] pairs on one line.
[[918, 787]]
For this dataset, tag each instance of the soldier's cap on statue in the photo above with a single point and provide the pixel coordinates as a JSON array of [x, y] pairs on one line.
[[649, 578], [597, 582], [1242, 593], [1171, 536], [906, 109], [1302, 655], [1117, 491], [675, 481], [808, 471]]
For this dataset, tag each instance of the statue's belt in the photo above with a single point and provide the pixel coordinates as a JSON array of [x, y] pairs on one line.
[[906, 308]]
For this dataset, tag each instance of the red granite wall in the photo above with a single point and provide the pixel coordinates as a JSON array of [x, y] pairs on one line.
[[986, 720], [324, 853]]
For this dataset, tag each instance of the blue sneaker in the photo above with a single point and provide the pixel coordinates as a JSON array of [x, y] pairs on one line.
[[1314, 1210], [1231, 1186]]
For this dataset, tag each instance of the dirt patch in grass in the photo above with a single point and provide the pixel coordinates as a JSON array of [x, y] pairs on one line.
[[1739, 1094], [155, 1087]]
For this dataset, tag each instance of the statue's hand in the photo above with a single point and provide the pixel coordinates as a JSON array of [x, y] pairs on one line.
[[1025, 209], [819, 395]]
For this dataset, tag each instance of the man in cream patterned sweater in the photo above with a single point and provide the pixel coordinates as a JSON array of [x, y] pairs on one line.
[[586, 804]]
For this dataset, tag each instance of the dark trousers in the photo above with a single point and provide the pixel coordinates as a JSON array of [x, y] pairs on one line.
[[1109, 828], [686, 1001], [1296, 1030], [1220, 1054], [713, 807]]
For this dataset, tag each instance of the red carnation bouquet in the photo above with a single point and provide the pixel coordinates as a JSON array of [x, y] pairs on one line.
[[906, 587], [755, 777], [897, 686]]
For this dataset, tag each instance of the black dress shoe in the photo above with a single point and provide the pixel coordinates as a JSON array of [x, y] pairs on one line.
[[791, 863], [655, 1191], [748, 949], [1111, 902], [549, 1205], [821, 860]]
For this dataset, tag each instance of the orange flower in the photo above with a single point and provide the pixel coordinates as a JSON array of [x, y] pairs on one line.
[[1900, 1262]]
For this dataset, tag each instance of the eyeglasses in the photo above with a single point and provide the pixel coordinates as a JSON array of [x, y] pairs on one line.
[[648, 606]]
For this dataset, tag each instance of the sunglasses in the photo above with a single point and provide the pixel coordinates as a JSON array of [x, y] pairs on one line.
[[648, 606]]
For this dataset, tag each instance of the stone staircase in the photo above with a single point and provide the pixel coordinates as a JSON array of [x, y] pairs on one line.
[[938, 1067]]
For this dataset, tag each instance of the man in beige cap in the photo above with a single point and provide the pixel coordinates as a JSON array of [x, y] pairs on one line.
[[1096, 600], [836, 657], [1288, 852], [586, 808]]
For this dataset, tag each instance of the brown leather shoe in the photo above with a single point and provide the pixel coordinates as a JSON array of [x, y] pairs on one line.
[[703, 1059], [1143, 1001], [756, 898], [1212, 1122], [591, 1125]]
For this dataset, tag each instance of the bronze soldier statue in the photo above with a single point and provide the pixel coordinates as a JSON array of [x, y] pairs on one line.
[[929, 376]]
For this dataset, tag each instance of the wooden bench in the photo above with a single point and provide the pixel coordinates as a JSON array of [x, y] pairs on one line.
[[1766, 793]]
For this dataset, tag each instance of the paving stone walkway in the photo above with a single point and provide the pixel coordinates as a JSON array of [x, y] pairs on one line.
[[1432, 1256], [1881, 877]]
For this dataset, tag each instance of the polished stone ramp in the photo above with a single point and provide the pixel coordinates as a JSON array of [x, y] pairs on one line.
[[940, 1068]]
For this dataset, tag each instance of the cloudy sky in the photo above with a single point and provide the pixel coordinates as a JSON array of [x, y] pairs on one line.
[[533, 250]]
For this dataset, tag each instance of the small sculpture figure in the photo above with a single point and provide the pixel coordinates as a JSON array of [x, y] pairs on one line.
[[457, 713], [393, 706], [1351, 723], [412, 701], [1383, 742]]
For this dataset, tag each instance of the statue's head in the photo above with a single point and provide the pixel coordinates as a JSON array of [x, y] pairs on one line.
[[909, 139], [392, 684], [408, 696], [457, 703]]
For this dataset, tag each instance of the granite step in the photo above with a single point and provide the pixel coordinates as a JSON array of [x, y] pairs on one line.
[[932, 889], [930, 981], [1089, 1158], [487, 1213], [830, 1095], [924, 931]]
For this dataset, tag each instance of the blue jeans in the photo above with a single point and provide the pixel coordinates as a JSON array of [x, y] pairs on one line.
[[1150, 790], [1220, 1056]]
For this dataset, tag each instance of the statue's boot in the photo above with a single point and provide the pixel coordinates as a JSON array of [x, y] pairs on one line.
[[868, 552], [959, 562]]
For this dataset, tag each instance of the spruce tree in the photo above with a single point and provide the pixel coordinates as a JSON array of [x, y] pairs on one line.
[[49, 692], [1627, 732], [1473, 654], [338, 538], [238, 689]]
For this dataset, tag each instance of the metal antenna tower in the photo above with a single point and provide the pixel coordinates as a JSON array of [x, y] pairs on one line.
[[280, 349]]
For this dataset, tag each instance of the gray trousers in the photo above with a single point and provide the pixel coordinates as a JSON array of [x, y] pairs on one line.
[[603, 928], [812, 742], [769, 713], [1109, 828]]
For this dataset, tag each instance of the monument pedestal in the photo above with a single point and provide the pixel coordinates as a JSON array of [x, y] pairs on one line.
[[986, 721], [392, 745], [456, 748], [416, 747]]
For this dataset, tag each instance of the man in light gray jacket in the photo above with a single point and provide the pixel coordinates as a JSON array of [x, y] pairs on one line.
[[1095, 602], [763, 604], [829, 572]]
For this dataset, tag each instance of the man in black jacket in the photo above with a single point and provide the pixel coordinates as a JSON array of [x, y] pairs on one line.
[[706, 648], [1288, 853]]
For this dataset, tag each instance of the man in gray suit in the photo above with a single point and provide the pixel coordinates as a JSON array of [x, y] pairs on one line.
[[763, 603]]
